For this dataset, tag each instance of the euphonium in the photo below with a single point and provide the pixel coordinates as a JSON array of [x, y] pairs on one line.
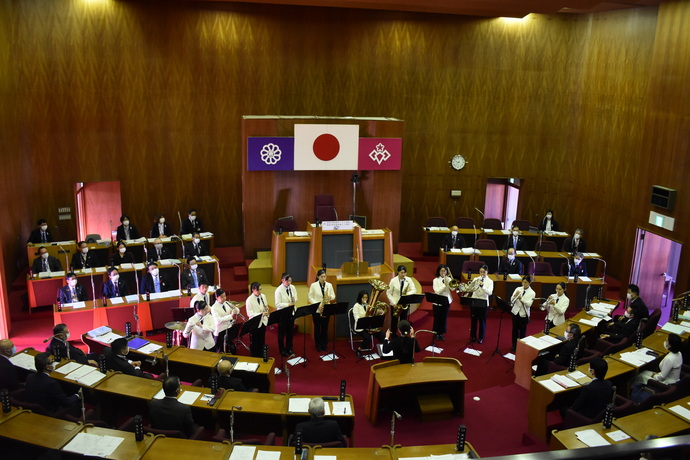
[[376, 307], [549, 302], [454, 283], [471, 286]]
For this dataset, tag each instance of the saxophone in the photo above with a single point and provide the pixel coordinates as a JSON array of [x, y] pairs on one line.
[[398, 309]]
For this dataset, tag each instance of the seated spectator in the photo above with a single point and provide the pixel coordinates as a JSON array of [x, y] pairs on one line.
[[126, 231], [154, 281], [578, 266], [195, 248], [114, 287], [575, 243], [453, 240], [621, 327], [116, 359], [193, 277], [46, 391], [122, 256], [9, 377], [636, 302], [60, 347], [73, 292], [159, 252], [82, 258], [45, 262], [510, 265], [225, 380], [41, 234], [597, 394], [191, 223], [572, 338], [170, 414], [318, 430]]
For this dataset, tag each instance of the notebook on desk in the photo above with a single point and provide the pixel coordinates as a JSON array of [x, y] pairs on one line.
[[137, 342]]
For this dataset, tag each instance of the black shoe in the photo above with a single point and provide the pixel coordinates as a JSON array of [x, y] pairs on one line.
[[359, 354], [481, 340], [472, 340], [512, 349], [441, 337]]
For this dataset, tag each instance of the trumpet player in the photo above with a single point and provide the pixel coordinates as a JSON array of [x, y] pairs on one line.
[[399, 286], [224, 316], [480, 304], [556, 304], [321, 291], [256, 305], [360, 310], [521, 301], [200, 327], [286, 297], [442, 286]]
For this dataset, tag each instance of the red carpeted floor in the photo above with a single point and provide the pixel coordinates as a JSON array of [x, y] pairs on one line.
[[495, 407]]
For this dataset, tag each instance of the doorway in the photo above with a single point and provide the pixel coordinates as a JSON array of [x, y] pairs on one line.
[[99, 207], [502, 200], [654, 270]]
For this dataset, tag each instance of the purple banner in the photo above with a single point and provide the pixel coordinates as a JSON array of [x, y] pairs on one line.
[[270, 153]]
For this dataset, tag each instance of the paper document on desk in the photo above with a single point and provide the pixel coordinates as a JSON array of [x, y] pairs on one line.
[[207, 258], [488, 230], [564, 381], [149, 348], [591, 438], [590, 322], [24, 360], [328, 457], [166, 262], [246, 366], [298, 405], [67, 368], [550, 340], [91, 378], [617, 435], [160, 394], [682, 411], [531, 253], [535, 342], [127, 266], [132, 298], [116, 300], [188, 397], [342, 408], [267, 455], [93, 445], [674, 328], [515, 277], [139, 266], [206, 234], [551, 385], [242, 452], [586, 279], [456, 250], [505, 232], [467, 250], [79, 372]]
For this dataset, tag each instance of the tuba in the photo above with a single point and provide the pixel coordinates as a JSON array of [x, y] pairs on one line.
[[376, 307]]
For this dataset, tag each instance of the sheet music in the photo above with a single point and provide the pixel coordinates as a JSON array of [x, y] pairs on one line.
[[298, 405], [24, 360]]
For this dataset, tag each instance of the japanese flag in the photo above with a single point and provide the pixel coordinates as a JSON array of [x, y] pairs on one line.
[[326, 147]]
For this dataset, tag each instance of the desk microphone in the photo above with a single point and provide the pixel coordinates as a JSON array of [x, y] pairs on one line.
[[49, 338], [66, 260], [393, 417], [232, 422]]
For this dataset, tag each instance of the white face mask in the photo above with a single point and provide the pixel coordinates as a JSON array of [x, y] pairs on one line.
[[627, 314], [577, 236], [122, 250], [197, 240], [548, 216], [577, 261], [72, 282], [67, 336], [568, 335], [85, 250], [192, 218], [454, 233], [154, 272], [628, 296], [125, 223], [45, 255], [44, 227], [13, 351], [516, 233], [511, 257], [193, 267], [666, 345], [158, 245], [115, 278], [161, 220]]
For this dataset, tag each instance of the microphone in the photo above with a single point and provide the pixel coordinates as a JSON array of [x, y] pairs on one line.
[[603, 275], [232, 422], [93, 289], [49, 338], [180, 218], [483, 218], [110, 227], [336, 214], [66, 261], [475, 234], [83, 406], [567, 259], [393, 417]]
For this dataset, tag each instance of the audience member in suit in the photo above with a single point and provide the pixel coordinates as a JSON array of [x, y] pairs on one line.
[[622, 326], [641, 310], [154, 281], [116, 359], [285, 296], [41, 234], [548, 223], [575, 243], [9, 377], [256, 305], [572, 338], [514, 240], [60, 347], [46, 391], [122, 256], [45, 262], [169, 413], [510, 265], [594, 397], [578, 266], [127, 231], [193, 277], [200, 328], [319, 430], [82, 258], [191, 224], [195, 248], [224, 317], [114, 287], [403, 346], [160, 228], [453, 240], [225, 380], [159, 252], [73, 292]]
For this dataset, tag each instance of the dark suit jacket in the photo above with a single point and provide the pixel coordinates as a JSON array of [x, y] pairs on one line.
[[65, 295], [165, 254], [188, 279], [402, 348], [641, 310], [459, 242], [554, 225], [229, 383], [9, 377], [513, 267], [593, 398], [155, 233], [116, 363], [53, 263], [190, 227], [78, 261], [581, 269], [317, 430], [567, 349], [119, 259], [109, 289], [568, 245], [189, 250], [622, 329], [35, 236], [148, 286], [170, 414], [133, 233], [43, 390], [74, 353], [510, 244]]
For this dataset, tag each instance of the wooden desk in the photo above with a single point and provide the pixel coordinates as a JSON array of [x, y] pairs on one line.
[[654, 342], [128, 449], [354, 453], [657, 421], [24, 427], [261, 413], [567, 439], [432, 240], [346, 422], [183, 449], [425, 451], [43, 291], [433, 374], [54, 250], [540, 397]]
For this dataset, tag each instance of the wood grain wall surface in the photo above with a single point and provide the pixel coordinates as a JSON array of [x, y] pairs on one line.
[[589, 110]]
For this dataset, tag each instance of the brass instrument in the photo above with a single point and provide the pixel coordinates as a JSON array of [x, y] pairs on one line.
[[235, 307], [451, 282], [375, 306], [398, 309], [514, 298], [549, 302], [471, 286]]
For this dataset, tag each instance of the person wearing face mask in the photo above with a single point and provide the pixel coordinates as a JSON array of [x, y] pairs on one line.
[[556, 305], [594, 397], [82, 258], [575, 243], [572, 336], [514, 241], [453, 240], [154, 281], [200, 328], [9, 377], [621, 327], [548, 223], [46, 391], [669, 367], [60, 347], [578, 266], [41, 234], [114, 287], [195, 248], [633, 296], [480, 304], [521, 302], [159, 251], [510, 265], [116, 359], [193, 277], [122, 256], [45, 262], [191, 224], [127, 231], [160, 228], [73, 292]]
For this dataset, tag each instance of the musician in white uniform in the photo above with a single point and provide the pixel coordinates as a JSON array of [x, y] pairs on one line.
[[441, 287], [200, 328], [521, 301], [360, 310], [286, 297], [556, 304], [321, 291], [480, 304], [401, 285], [257, 305], [224, 317]]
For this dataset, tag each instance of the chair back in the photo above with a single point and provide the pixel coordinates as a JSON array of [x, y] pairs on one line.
[[285, 225], [485, 243], [473, 265], [464, 222], [92, 238], [494, 224], [540, 269], [545, 245], [652, 322], [523, 225], [436, 222], [324, 208]]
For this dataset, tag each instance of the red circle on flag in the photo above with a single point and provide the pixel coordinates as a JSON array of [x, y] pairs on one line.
[[326, 147]]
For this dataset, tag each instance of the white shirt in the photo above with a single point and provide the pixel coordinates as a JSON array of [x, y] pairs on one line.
[[441, 288], [557, 312], [358, 311], [393, 293], [254, 308], [523, 301], [222, 317], [669, 369], [485, 291], [283, 299], [199, 296], [200, 332], [315, 295]]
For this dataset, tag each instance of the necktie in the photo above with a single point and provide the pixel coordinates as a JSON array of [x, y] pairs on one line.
[[196, 281], [117, 291], [157, 284], [45, 265], [74, 295], [160, 229], [515, 242], [126, 233], [159, 254], [402, 286], [453, 241], [323, 291], [224, 310], [289, 293], [43, 237]]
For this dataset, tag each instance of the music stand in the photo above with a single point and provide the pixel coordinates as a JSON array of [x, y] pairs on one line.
[[251, 325], [369, 323], [437, 299], [277, 316], [302, 312], [233, 334], [503, 307], [334, 309]]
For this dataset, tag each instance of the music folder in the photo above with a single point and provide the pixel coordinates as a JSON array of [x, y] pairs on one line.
[[337, 308], [370, 322], [306, 310], [411, 299], [277, 316], [437, 299], [251, 325], [502, 304]]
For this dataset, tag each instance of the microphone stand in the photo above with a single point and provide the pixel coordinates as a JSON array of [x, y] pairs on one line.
[[474, 234], [232, 422], [93, 289], [179, 217], [603, 275], [567, 259], [110, 227], [83, 406], [66, 260], [393, 417], [483, 218], [146, 254], [433, 342]]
